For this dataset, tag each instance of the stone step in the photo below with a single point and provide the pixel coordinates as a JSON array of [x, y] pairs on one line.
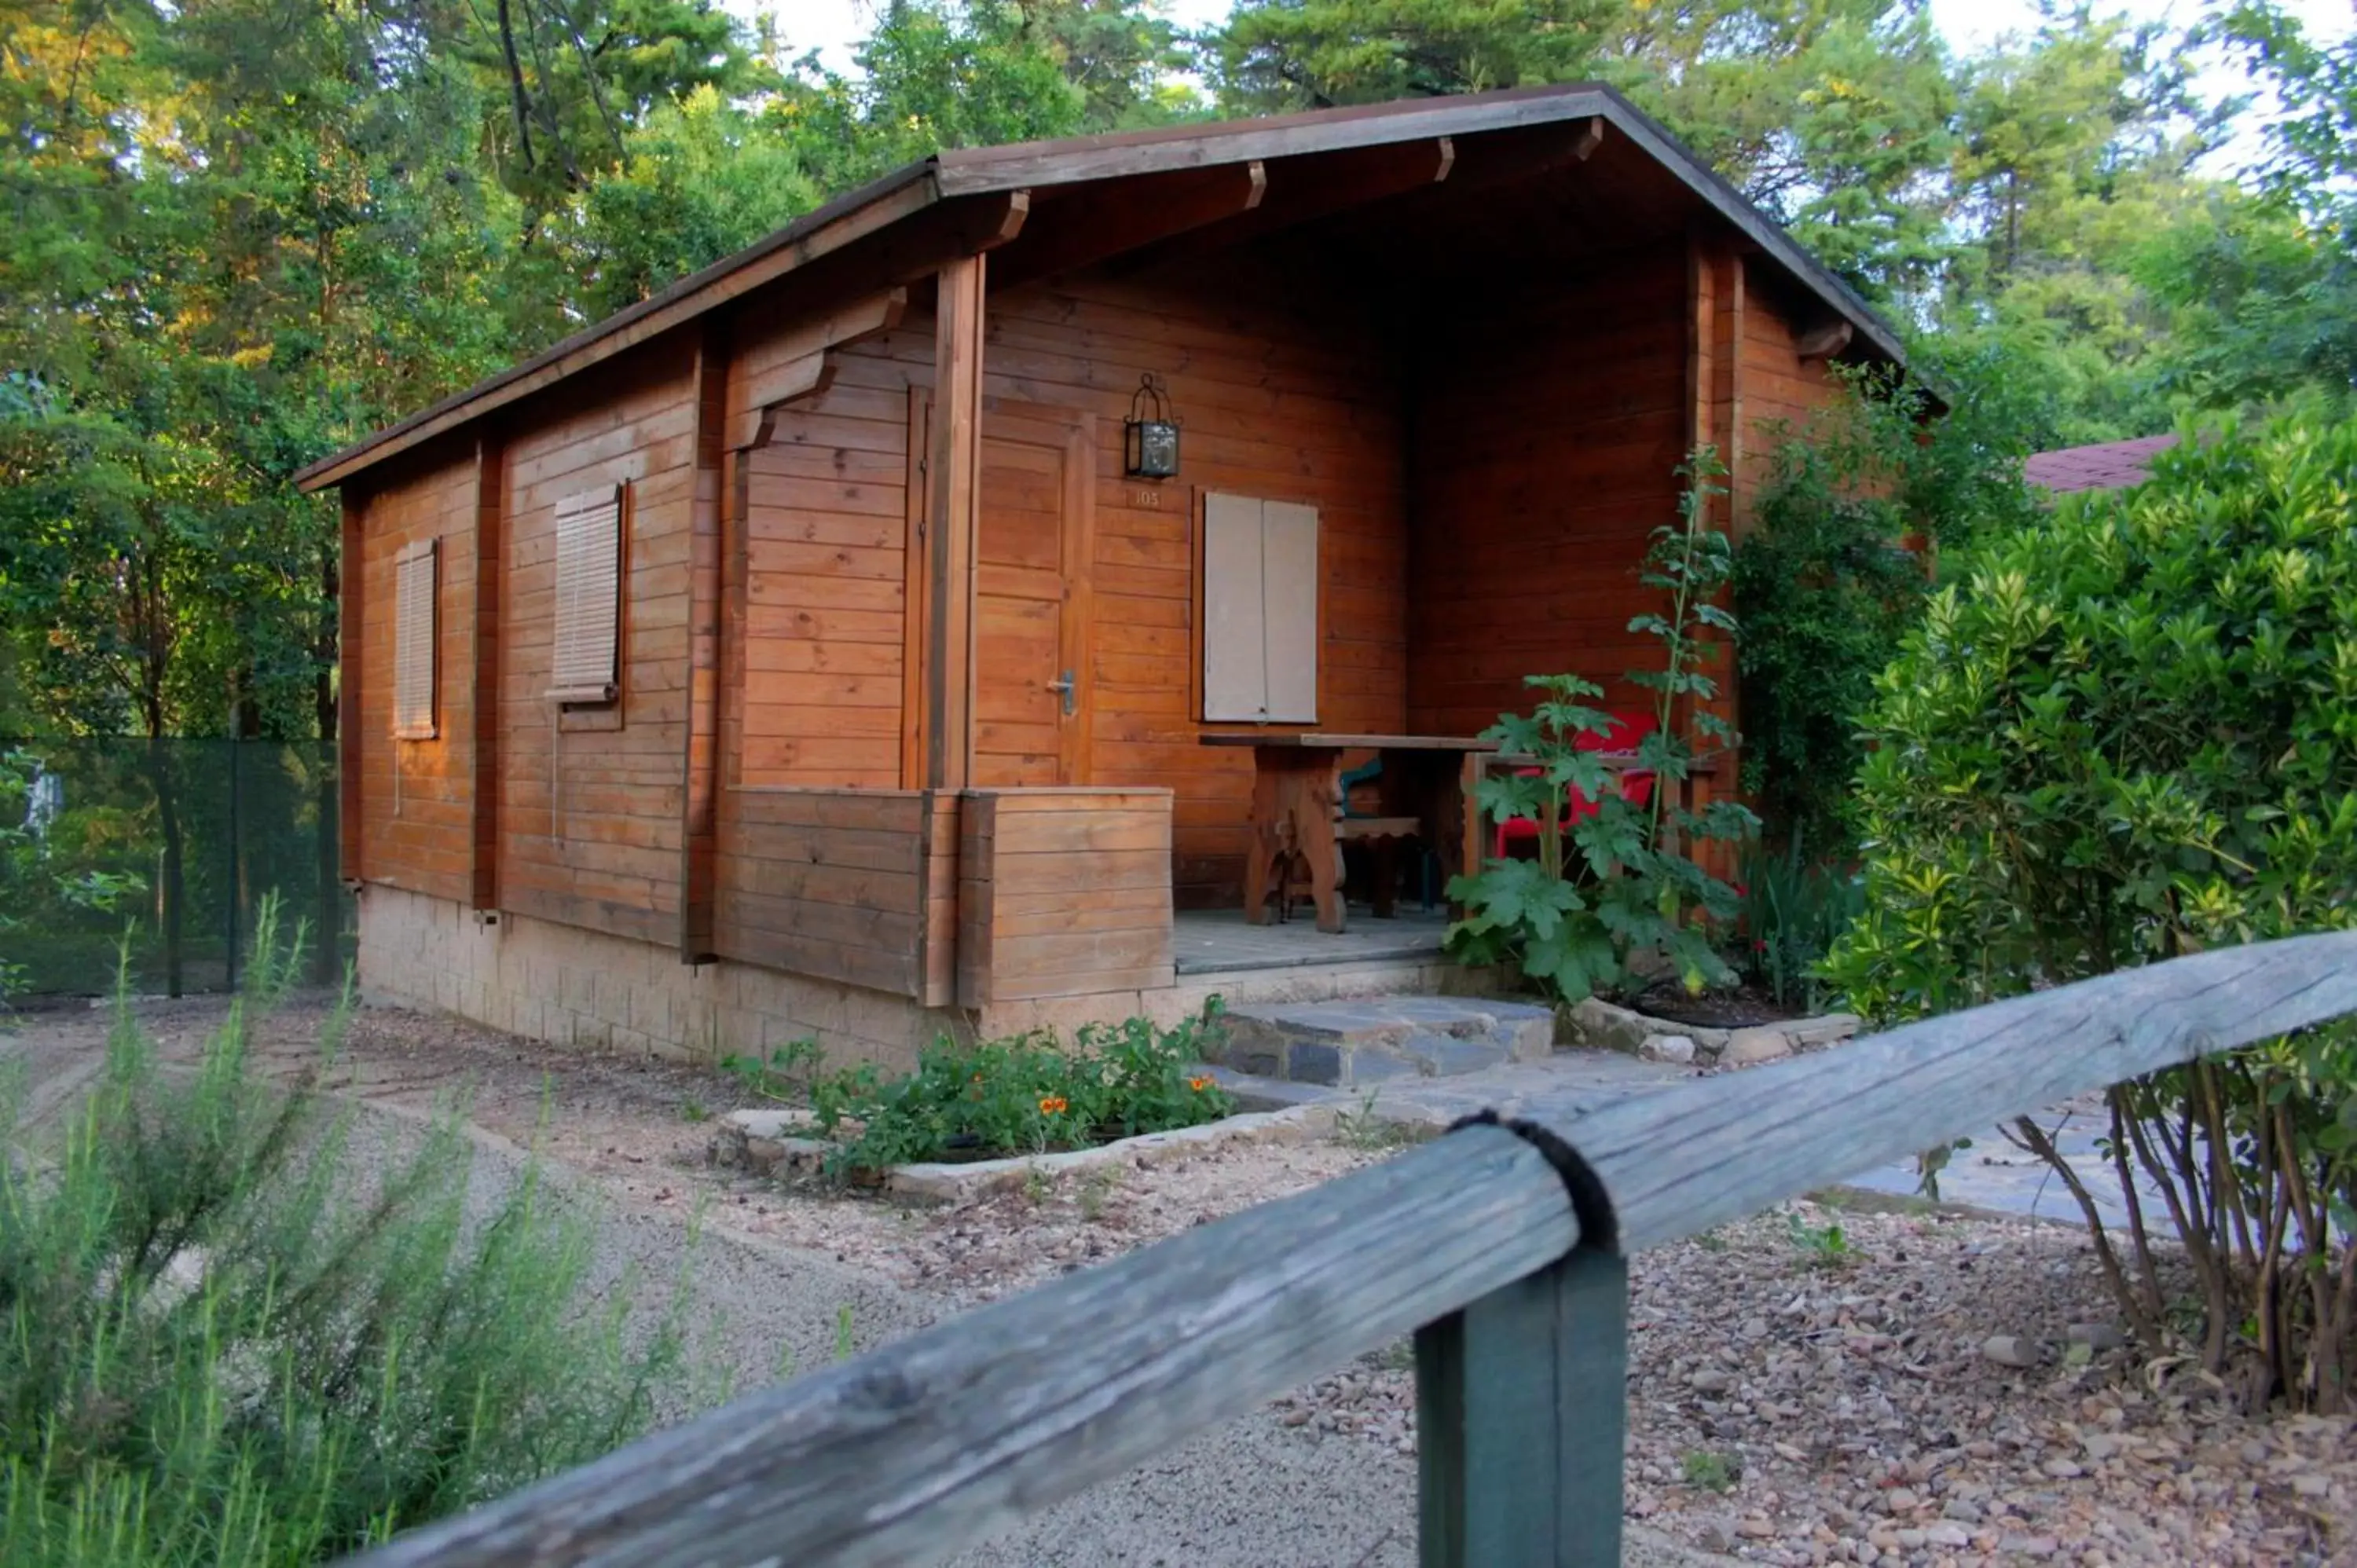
[[1365, 1041]]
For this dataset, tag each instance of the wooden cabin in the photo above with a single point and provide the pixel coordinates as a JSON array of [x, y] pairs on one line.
[[798, 653]]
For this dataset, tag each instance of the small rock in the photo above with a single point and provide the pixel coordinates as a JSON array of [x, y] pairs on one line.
[[1899, 1500], [1912, 1540], [2097, 1336], [2011, 1350], [1710, 1380], [2255, 1453], [1679, 1048], [1755, 1526], [2028, 1545], [1963, 1509], [1762, 1043], [1948, 1535], [2311, 1485], [2063, 1469], [1713, 1536], [1823, 1031]]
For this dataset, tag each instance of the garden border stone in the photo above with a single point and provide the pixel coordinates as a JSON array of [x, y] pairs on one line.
[[1597, 1024], [766, 1142]]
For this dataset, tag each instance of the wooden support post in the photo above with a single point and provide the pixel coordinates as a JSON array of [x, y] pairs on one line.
[[699, 803], [490, 513], [952, 523], [1521, 1421], [352, 594]]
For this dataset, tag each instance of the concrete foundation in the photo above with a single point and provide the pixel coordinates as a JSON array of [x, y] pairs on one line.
[[571, 986]]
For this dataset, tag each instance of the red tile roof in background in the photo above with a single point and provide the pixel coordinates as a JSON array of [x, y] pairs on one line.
[[2106, 465]]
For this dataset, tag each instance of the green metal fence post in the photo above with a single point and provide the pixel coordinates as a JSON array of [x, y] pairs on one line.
[[1521, 1416]]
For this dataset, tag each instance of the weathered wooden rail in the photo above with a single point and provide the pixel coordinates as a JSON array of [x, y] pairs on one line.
[[908, 1453]]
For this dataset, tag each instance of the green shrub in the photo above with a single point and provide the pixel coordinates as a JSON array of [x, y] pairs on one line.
[[1792, 912], [1826, 585], [1024, 1094], [225, 1347], [2124, 735], [1619, 881]]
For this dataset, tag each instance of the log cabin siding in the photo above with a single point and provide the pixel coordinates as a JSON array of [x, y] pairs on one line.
[[415, 796], [590, 808], [827, 534], [832, 882], [1284, 392], [1546, 440]]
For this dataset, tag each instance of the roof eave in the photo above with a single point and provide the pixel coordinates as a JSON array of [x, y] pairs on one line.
[[877, 205]]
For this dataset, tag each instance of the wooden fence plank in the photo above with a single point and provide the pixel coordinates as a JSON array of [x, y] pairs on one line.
[[915, 1451], [918, 1450]]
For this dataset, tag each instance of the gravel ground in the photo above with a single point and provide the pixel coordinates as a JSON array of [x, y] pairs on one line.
[[1790, 1402]]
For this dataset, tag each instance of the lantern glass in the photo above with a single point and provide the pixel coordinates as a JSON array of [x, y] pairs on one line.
[[1153, 448]]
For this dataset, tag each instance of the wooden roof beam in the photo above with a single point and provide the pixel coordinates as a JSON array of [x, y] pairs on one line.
[[1303, 189], [1825, 339], [1088, 225]]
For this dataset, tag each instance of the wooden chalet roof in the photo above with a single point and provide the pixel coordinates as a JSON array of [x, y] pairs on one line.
[[1371, 169]]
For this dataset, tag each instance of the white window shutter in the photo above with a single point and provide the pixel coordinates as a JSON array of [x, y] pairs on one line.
[[1289, 610], [1235, 667], [415, 590], [588, 597]]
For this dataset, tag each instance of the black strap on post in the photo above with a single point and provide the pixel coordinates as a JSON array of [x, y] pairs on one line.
[[1599, 1228]]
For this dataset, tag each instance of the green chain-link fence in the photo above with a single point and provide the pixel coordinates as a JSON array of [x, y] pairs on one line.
[[175, 842]]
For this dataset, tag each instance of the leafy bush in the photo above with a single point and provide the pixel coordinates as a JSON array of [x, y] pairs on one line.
[[2125, 737], [1834, 571], [1792, 911], [1574, 921], [223, 1349], [1024, 1094]]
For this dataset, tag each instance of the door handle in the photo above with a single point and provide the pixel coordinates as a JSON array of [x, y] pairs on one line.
[[1064, 685]]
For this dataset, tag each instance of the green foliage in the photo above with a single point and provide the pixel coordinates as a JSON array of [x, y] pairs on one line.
[[1831, 573], [1823, 1246], [224, 1345], [1827, 115], [1709, 1470], [1791, 911], [1574, 920], [2128, 734], [1024, 1094]]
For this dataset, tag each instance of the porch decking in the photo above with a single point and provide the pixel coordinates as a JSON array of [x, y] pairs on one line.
[[1218, 941]]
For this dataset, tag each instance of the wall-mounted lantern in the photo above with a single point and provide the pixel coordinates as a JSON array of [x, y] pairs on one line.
[[1150, 435]]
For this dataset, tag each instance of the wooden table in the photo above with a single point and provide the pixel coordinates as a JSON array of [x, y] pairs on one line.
[[1425, 789]]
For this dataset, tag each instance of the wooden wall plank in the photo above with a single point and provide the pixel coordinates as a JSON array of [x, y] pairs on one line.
[[415, 818], [709, 527], [483, 663], [1538, 492], [592, 822], [952, 515], [1063, 892]]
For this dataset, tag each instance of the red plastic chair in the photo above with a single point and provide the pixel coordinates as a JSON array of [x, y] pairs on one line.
[[1636, 785]]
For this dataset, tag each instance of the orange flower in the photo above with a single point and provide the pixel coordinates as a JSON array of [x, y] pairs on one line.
[[1199, 1084], [1052, 1104]]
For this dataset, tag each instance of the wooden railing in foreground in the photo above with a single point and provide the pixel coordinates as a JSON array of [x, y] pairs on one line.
[[912, 1451]]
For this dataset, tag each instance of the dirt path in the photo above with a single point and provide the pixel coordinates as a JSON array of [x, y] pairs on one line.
[[1794, 1399]]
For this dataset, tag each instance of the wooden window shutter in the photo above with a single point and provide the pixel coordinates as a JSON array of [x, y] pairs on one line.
[[586, 668], [415, 624], [1260, 611], [1288, 552], [1235, 674]]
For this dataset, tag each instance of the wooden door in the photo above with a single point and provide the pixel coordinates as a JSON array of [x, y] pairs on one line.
[[1030, 613]]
